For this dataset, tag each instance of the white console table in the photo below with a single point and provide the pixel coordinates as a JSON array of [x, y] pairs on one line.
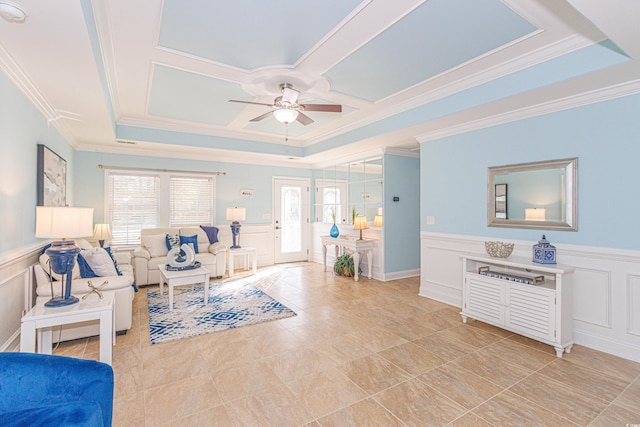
[[358, 247], [497, 295]]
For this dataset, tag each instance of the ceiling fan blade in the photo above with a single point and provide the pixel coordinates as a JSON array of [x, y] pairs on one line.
[[261, 117], [329, 108], [304, 119], [290, 95], [252, 103]]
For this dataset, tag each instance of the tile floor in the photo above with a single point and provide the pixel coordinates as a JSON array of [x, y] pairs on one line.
[[360, 354]]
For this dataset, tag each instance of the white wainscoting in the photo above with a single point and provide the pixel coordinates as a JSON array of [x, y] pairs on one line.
[[16, 293], [606, 287], [259, 236]]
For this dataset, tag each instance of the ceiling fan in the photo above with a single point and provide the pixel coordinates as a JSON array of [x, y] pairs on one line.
[[286, 109]]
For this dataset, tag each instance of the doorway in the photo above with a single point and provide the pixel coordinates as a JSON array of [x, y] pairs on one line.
[[291, 219]]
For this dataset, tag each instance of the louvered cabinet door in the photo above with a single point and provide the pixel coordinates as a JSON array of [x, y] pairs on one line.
[[531, 311], [484, 300]]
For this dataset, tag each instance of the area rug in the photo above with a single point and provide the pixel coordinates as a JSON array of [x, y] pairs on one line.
[[231, 305]]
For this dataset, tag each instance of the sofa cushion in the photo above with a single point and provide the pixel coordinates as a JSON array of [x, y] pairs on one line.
[[156, 244], [203, 240], [172, 241], [190, 240], [212, 233]]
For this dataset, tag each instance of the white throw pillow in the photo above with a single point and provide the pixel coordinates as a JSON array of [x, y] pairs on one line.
[[156, 244], [44, 263], [100, 262]]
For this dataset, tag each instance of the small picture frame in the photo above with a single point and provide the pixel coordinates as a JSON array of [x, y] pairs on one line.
[[52, 178], [501, 201]]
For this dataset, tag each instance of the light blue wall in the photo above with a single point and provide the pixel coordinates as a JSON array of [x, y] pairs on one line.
[[606, 139], [402, 218], [22, 127], [90, 186]]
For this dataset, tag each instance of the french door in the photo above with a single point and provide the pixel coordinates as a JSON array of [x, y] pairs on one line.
[[291, 219]]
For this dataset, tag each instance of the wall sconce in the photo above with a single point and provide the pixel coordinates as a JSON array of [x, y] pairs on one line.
[[535, 214], [360, 223], [235, 215]]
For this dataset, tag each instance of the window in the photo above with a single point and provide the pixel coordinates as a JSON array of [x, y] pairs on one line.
[[141, 200], [331, 196]]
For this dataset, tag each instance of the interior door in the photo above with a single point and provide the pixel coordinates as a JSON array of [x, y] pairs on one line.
[[291, 219]]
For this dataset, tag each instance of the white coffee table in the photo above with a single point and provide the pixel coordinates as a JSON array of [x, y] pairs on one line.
[[245, 252], [183, 278], [42, 319]]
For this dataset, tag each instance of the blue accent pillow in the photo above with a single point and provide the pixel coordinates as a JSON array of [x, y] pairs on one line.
[[190, 240], [115, 263], [172, 241], [85, 270], [212, 233]]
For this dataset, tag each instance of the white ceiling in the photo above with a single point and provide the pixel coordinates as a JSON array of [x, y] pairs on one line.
[[154, 77]]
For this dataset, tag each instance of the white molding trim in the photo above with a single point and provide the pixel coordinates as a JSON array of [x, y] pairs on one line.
[[607, 345], [397, 275]]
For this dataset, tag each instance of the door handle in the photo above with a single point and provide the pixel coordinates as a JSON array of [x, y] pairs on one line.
[[278, 228]]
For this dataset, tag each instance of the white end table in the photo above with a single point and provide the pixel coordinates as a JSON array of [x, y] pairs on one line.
[[183, 278], [246, 252], [42, 319]]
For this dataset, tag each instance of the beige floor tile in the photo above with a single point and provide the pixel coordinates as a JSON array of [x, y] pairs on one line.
[[445, 347], [470, 335], [373, 373], [469, 420], [489, 328], [545, 348], [589, 381], [345, 348], [460, 385], [364, 413], [214, 417], [417, 404], [578, 406], [179, 399], [291, 365], [493, 369], [127, 381], [244, 380], [412, 358], [519, 354], [276, 406], [603, 362], [508, 409], [129, 410], [617, 416], [325, 392], [630, 397]]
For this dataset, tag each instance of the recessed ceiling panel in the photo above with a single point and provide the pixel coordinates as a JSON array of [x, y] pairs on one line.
[[249, 34], [182, 95], [435, 37]]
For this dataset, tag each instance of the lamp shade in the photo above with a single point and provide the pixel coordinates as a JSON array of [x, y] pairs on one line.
[[102, 232], [360, 223], [377, 221], [56, 222], [535, 214], [236, 214], [285, 115]]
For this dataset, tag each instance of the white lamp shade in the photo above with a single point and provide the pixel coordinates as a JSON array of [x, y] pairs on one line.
[[360, 223], [535, 214], [102, 232], [285, 115], [55, 222], [235, 214], [377, 221]]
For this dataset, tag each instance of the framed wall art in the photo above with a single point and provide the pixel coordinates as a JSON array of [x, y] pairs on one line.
[[52, 178]]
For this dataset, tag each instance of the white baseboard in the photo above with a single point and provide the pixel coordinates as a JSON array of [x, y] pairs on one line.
[[396, 275], [607, 345]]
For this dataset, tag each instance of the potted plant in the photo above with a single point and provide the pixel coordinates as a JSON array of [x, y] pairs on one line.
[[344, 266]]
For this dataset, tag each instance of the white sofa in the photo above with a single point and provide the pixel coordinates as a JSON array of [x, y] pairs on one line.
[[146, 260], [121, 286]]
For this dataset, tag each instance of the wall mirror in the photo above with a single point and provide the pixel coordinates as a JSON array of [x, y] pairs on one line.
[[540, 195]]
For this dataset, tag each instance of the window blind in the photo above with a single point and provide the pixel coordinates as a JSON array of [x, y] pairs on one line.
[[190, 201]]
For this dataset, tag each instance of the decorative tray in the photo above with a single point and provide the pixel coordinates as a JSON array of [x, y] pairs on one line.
[[537, 280], [195, 265]]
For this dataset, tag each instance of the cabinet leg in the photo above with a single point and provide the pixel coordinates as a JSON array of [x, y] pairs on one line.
[[559, 351], [568, 349], [464, 318]]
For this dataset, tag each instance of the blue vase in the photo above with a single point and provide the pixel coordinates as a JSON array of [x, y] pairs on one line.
[[334, 231]]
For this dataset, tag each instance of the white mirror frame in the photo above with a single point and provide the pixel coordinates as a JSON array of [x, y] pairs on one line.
[[571, 195]]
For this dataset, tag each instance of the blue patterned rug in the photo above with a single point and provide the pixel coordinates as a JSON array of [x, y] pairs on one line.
[[231, 305]]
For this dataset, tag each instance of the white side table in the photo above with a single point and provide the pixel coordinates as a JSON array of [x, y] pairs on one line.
[[42, 319], [246, 252], [182, 278], [359, 247]]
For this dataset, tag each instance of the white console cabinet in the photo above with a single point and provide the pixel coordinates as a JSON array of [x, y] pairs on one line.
[[496, 291]]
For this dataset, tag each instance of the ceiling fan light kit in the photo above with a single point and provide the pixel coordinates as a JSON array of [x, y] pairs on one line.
[[286, 109]]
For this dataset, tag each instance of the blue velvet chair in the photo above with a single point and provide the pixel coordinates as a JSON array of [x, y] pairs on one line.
[[47, 390]]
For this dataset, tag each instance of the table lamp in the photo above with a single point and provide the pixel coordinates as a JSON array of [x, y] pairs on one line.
[[63, 223], [235, 215], [102, 232], [360, 223]]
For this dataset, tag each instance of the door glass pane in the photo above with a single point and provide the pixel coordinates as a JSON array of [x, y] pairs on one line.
[[290, 240]]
